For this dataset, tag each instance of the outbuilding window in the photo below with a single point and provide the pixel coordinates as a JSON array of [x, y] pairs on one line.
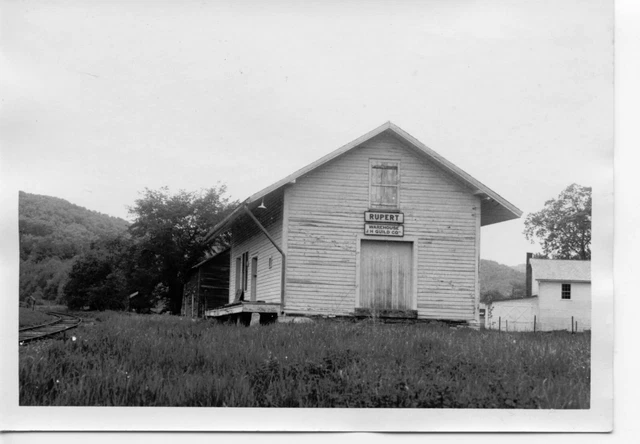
[[566, 291], [384, 184]]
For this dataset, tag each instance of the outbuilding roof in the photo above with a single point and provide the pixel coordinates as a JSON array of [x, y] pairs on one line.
[[561, 270], [213, 256], [494, 207]]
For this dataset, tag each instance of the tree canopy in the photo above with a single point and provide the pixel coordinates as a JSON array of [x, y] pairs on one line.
[[98, 277], [169, 231], [53, 233], [563, 226]]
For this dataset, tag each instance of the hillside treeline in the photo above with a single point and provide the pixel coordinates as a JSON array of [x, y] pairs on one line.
[[53, 232], [499, 282], [82, 258]]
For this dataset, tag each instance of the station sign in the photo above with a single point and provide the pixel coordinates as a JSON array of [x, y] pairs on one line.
[[384, 230], [382, 217]]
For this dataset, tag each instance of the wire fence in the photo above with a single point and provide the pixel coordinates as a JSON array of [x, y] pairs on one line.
[[573, 324]]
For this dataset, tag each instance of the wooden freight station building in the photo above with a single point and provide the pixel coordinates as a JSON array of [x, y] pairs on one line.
[[383, 226]]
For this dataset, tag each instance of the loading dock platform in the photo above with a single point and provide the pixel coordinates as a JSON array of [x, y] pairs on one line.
[[243, 311]]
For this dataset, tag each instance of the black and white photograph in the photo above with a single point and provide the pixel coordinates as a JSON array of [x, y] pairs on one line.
[[240, 215]]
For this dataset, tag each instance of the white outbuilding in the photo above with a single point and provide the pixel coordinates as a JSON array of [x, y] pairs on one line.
[[559, 298]]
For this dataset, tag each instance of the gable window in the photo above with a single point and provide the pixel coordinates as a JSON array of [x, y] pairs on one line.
[[566, 291], [384, 184]]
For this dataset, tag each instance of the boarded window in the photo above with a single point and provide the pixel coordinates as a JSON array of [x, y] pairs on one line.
[[566, 291], [384, 184]]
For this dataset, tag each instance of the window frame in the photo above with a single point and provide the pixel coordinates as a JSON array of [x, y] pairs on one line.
[[381, 207], [254, 278], [245, 271], [242, 278], [565, 291]]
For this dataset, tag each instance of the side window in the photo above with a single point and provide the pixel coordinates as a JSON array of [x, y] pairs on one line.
[[566, 291], [254, 277], [245, 270], [242, 272], [238, 274], [384, 184]]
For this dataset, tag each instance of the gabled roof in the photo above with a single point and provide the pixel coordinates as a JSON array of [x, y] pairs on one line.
[[561, 270], [494, 207]]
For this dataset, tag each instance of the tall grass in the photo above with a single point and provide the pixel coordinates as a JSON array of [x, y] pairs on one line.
[[135, 360], [31, 318]]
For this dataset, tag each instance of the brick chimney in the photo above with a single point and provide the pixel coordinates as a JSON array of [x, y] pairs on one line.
[[528, 281]]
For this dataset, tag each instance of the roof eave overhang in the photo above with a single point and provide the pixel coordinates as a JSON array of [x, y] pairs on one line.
[[494, 208], [224, 224]]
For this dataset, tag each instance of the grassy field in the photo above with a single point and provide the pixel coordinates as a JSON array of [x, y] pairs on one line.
[[147, 360], [30, 317]]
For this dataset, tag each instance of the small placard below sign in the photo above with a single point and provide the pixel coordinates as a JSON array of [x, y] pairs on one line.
[[381, 217], [384, 230]]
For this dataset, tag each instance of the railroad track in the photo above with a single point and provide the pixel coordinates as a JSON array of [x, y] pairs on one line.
[[63, 323]]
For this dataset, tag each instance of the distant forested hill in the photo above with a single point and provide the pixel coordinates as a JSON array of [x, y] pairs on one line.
[[53, 232], [500, 280]]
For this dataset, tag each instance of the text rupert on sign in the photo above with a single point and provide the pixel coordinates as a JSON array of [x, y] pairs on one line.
[[374, 216]]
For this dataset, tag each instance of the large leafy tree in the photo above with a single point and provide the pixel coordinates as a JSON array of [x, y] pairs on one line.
[[563, 226], [98, 277], [169, 231]]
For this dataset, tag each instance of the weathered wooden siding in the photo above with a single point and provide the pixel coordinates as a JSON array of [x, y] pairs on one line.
[[207, 286], [555, 312], [386, 275], [325, 217], [246, 236], [189, 295], [214, 283]]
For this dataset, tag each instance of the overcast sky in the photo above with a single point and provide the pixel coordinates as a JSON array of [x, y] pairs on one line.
[[103, 99]]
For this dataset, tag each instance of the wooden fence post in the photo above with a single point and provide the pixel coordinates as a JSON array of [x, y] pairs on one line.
[[534, 323], [506, 325], [571, 324], [499, 323]]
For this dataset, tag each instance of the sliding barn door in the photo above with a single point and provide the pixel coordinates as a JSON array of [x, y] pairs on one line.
[[386, 278]]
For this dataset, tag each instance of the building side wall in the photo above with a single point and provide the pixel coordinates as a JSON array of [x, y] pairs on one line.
[[556, 313], [247, 237], [214, 283], [535, 286], [326, 216]]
